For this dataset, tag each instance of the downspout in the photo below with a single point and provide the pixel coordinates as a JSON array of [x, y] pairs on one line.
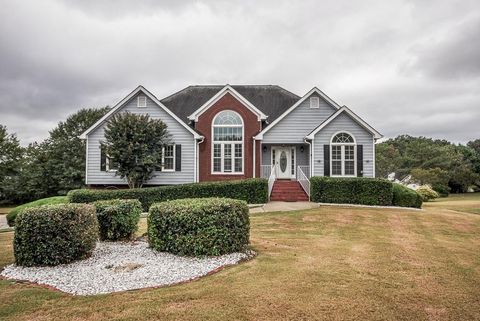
[[197, 157], [311, 155], [254, 169]]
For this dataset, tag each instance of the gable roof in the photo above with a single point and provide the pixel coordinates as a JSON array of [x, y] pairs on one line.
[[354, 116], [289, 110], [126, 99], [270, 100]]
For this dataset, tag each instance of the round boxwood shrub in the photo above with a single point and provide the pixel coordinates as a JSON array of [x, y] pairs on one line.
[[197, 227], [55, 234], [118, 219], [405, 197]]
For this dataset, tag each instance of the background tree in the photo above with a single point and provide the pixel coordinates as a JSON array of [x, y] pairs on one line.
[[443, 165], [10, 155], [134, 142], [54, 166]]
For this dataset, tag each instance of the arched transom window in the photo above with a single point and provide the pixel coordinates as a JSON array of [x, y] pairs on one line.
[[227, 143], [343, 156]]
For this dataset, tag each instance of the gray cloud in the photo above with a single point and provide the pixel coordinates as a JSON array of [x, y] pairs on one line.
[[405, 66]]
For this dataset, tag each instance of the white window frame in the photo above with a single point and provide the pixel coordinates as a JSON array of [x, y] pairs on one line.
[[107, 165], [163, 159], [141, 101], [222, 144], [315, 102], [342, 157]]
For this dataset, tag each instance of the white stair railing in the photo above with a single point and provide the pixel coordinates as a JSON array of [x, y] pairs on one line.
[[271, 180], [303, 180], [265, 171]]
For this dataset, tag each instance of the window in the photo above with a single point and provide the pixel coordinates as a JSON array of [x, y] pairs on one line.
[[111, 165], [343, 157], [314, 102], [168, 158], [141, 101], [227, 148]]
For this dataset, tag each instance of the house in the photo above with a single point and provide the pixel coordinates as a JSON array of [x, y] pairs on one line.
[[236, 132]]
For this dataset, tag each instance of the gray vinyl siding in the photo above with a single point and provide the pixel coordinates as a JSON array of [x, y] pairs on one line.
[[179, 135], [302, 158], [345, 123], [298, 123]]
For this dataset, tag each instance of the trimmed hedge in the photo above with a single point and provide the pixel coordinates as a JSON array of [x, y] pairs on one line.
[[354, 190], [252, 190], [118, 219], [12, 215], [55, 234], [405, 197], [197, 227]]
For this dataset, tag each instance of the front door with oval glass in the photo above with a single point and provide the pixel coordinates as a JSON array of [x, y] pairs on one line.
[[283, 162]]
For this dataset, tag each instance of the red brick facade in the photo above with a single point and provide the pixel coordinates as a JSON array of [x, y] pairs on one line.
[[252, 126]]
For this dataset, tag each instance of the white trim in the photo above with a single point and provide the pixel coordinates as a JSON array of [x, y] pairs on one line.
[[342, 154], [225, 90], [125, 100], [357, 119], [373, 171], [312, 158], [223, 143], [86, 162], [259, 136], [254, 159]]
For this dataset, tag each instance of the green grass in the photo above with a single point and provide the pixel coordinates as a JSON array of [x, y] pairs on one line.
[[328, 263], [44, 201]]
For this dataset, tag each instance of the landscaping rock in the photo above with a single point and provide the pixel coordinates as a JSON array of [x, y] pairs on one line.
[[120, 266]]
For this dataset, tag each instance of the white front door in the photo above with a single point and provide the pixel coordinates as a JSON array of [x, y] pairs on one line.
[[283, 159]]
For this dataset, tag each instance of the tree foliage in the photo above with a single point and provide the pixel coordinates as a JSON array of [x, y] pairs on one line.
[[443, 165], [52, 167], [10, 155], [134, 142]]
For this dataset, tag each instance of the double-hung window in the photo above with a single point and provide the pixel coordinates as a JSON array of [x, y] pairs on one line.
[[227, 143], [168, 158], [343, 157]]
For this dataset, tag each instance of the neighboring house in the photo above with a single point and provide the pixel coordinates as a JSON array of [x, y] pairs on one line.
[[235, 132]]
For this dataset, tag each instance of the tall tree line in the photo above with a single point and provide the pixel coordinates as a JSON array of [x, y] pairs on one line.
[[49, 168], [446, 166]]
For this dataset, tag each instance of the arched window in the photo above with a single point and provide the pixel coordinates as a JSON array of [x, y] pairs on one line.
[[343, 156], [227, 143]]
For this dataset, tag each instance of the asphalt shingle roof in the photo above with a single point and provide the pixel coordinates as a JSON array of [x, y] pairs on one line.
[[272, 100]]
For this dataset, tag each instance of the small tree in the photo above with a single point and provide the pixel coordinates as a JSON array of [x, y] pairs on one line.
[[134, 142]]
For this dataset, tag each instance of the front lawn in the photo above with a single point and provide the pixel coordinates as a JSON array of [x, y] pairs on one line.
[[327, 263]]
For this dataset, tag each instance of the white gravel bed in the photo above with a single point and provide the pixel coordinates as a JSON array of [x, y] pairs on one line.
[[119, 266]]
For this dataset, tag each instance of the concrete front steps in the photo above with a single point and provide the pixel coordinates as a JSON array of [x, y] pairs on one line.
[[288, 191]]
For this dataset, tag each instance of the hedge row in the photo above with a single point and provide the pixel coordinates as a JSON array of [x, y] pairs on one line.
[[355, 190], [405, 197], [197, 227], [54, 234], [118, 219], [252, 190], [362, 190]]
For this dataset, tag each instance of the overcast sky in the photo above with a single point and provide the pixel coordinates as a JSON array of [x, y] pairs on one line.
[[408, 67]]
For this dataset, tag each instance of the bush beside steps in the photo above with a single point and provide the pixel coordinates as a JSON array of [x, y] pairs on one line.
[[252, 190], [118, 219], [197, 227], [55, 234]]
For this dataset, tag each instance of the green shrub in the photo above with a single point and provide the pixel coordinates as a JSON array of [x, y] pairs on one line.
[[405, 197], [55, 234], [354, 190], [118, 219], [196, 227], [442, 190], [44, 201], [427, 193], [253, 191]]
